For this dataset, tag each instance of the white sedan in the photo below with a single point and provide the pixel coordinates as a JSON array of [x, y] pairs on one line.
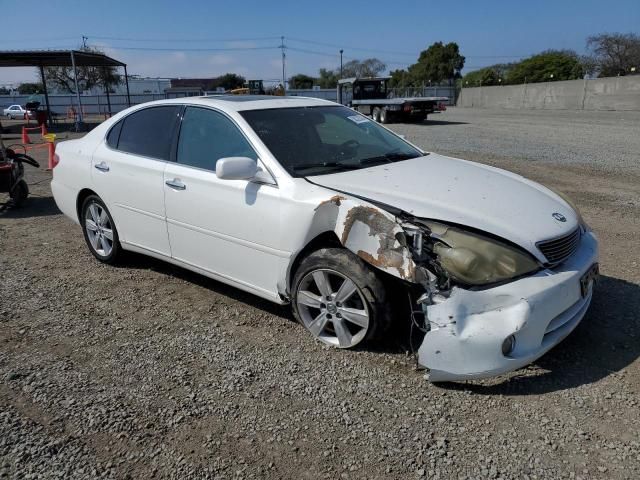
[[307, 202], [16, 111]]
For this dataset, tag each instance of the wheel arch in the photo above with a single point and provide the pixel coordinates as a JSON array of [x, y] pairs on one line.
[[370, 232], [326, 239], [82, 196]]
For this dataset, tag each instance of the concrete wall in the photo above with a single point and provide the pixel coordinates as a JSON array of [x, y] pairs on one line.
[[614, 93]]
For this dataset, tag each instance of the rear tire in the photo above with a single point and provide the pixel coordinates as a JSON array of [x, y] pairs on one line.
[[340, 299], [19, 193], [100, 230]]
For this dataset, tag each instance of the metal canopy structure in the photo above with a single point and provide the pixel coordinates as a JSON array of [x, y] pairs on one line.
[[62, 58]]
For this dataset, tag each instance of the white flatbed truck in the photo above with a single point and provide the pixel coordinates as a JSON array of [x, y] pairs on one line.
[[369, 96]]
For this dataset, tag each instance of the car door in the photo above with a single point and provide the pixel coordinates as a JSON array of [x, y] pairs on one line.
[[128, 174], [228, 228]]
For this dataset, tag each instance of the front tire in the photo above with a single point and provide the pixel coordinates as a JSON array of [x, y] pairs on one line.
[[100, 230], [384, 116], [375, 114], [340, 299]]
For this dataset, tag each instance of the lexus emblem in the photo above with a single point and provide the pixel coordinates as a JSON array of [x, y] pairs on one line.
[[558, 216]]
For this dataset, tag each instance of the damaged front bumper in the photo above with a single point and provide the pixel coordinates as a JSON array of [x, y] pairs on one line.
[[468, 329]]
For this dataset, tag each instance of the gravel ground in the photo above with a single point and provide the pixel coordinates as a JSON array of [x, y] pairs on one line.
[[147, 370], [605, 140]]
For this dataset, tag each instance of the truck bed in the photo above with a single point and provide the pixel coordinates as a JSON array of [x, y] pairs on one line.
[[398, 101]]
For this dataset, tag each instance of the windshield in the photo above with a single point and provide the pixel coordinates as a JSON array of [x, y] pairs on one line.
[[320, 140]]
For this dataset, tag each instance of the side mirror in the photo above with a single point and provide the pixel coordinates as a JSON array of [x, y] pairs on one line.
[[236, 168]]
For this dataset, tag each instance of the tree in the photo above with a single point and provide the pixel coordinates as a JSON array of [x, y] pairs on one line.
[[88, 77], [546, 66], [400, 79], [30, 88], [369, 67], [491, 75], [485, 76], [328, 78], [436, 64], [615, 53], [301, 81], [4, 91], [229, 81]]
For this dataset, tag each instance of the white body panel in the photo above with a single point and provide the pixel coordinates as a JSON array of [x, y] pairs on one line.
[[133, 190], [224, 226], [466, 193], [248, 234]]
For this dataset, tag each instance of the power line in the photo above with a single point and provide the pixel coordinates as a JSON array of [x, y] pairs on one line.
[[168, 49], [346, 47], [131, 39], [335, 55]]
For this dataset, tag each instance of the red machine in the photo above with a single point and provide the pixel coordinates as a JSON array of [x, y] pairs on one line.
[[12, 174]]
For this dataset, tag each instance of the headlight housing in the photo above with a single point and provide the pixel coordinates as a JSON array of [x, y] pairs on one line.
[[476, 260]]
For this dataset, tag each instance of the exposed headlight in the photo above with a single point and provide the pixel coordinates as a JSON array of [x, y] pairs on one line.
[[476, 260]]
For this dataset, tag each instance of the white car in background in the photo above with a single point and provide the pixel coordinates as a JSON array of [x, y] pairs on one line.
[[307, 202], [16, 111]]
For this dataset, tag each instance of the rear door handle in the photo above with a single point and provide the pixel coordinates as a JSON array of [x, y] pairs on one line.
[[176, 184], [103, 167]]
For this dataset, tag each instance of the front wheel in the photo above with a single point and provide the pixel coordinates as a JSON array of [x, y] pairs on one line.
[[99, 230], [375, 114], [339, 299], [384, 116]]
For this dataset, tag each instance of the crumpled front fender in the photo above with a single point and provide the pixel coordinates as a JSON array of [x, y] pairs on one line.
[[370, 232]]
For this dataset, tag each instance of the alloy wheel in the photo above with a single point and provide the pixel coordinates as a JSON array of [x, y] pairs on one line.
[[99, 229], [332, 308]]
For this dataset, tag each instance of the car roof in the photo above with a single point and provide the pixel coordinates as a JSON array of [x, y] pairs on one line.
[[248, 102]]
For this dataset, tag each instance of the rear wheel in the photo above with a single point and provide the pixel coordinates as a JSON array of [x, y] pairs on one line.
[[19, 193], [339, 299], [375, 114], [99, 230]]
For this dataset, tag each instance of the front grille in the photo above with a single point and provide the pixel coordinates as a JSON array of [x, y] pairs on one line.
[[559, 249]]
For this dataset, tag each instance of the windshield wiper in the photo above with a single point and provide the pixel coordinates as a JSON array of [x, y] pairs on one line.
[[388, 157], [330, 165]]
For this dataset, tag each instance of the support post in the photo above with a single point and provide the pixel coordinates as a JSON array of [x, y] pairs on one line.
[[106, 89], [284, 79], [126, 81], [78, 119], [46, 95]]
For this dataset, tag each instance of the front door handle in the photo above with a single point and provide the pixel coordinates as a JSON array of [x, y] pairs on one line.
[[176, 184], [103, 167]]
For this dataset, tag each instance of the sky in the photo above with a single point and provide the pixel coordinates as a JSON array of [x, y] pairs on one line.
[[208, 38]]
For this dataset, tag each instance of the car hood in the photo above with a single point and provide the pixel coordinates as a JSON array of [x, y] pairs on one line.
[[462, 192]]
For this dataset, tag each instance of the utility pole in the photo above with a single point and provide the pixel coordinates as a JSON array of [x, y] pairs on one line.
[[284, 80], [341, 50]]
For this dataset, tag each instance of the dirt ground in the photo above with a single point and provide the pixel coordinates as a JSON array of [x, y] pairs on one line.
[[147, 370]]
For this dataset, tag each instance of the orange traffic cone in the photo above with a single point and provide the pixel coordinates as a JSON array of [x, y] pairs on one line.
[[25, 137], [52, 152]]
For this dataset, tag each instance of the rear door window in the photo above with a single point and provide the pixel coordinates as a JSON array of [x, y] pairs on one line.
[[149, 132], [114, 135]]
